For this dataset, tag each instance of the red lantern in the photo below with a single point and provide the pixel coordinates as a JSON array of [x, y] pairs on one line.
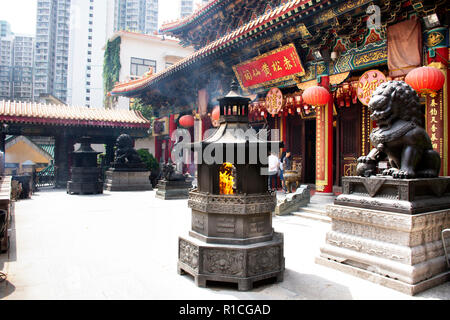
[[186, 121], [316, 96], [216, 113], [425, 80]]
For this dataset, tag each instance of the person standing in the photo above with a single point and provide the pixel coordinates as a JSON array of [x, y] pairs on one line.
[[282, 170], [287, 161], [273, 170]]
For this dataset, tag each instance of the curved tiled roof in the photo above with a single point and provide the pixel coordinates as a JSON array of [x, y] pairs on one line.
[[173, 25], [39, 113], [262, 22]]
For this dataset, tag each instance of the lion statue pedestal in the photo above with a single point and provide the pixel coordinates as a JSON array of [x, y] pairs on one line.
[[386, 228], [127, 172], [173, 185]]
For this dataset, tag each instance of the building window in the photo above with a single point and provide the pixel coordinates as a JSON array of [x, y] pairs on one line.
[[141, 66]]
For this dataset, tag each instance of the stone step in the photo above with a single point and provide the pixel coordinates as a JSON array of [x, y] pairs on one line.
[[310, 209], [320, 206], [312, 214]]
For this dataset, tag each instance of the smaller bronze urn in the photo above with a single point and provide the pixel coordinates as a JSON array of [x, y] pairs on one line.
[[85, 174]]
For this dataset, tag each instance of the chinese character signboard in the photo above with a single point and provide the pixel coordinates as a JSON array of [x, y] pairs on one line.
[[435, 123], [274, 66], [367, 84]]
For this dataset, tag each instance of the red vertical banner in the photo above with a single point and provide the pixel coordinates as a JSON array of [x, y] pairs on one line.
[[324, 144], [435, 126], [437, 42], [283, 130], [170, 143], [157, 149]]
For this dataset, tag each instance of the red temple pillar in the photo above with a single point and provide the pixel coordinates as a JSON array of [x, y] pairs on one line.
[[324, 143], [437, 112], [158, 149], [170, 143]]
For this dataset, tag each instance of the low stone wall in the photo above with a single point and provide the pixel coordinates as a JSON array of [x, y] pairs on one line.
[[293, 201]]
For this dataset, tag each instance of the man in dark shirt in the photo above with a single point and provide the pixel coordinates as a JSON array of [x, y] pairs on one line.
[[287, 161]]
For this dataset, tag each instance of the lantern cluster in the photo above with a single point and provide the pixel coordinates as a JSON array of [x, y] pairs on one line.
[[294, 103], [346, 94]]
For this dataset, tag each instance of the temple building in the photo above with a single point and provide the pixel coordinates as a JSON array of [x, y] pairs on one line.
[[64, 126], [277, 49]]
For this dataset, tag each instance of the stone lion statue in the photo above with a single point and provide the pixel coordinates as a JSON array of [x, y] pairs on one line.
[[399, 138], [125, 153], [169, 172]]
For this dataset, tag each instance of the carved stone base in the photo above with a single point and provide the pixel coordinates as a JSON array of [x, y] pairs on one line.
[[171, 190], [84, 187], [400, 251], [241, 264], [85, 180], [410, 196], [122, 180], [293, 201]]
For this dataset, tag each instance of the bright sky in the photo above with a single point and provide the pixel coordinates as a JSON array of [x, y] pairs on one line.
[[21, 14]]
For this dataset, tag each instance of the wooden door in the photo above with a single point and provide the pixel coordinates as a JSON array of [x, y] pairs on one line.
[[310, 151], [296, 138], [349, 139]]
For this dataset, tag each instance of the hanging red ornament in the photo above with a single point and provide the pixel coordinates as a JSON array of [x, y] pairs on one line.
[[425, 80], [186, 121], [316, 96]]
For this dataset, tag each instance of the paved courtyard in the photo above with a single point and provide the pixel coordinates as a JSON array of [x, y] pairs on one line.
[[123, 245]]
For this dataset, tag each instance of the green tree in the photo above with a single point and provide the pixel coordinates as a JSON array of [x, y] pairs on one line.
[[111, 70], [148, 159]]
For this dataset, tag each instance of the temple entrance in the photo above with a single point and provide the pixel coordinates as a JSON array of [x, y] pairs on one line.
[[350, 149], [40, 121], [310, 151]]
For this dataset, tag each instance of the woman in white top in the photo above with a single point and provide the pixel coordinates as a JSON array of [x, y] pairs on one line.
[[273, 170]]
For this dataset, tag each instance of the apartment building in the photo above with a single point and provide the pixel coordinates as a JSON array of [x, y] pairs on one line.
[[136, 16], [51, 48]]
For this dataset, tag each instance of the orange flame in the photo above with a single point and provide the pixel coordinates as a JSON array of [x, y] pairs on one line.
[[226, 179]]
